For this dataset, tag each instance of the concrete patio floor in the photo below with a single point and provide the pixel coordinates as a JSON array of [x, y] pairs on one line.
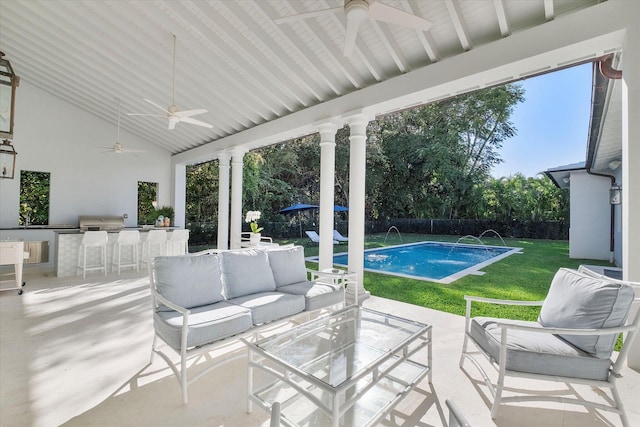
[[75, 352]]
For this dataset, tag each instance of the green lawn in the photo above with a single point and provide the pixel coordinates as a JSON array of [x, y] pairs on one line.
[[524, 276]]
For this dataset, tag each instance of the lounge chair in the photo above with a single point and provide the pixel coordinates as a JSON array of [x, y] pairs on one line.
[[572, 341], [339, 237], [315, 238]]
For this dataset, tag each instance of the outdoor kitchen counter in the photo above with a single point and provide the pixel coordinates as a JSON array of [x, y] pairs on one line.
[[67, 248]]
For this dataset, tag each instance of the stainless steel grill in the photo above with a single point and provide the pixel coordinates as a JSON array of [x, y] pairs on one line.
[[100, 223]]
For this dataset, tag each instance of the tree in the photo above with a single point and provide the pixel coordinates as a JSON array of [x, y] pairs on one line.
[[34, 198], [438, 156], [520, 198], [429, 162], [202, 192]]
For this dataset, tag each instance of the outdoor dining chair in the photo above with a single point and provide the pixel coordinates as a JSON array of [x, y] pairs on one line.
[[571, 342]]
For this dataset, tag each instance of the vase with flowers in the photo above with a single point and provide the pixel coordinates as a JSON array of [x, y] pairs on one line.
[[252, 218]]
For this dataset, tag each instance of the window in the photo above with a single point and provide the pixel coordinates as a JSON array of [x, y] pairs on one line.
[[147, 197], [34, 198]]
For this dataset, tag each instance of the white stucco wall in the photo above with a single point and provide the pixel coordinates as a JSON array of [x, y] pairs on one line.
[[51, 135], [590, 217]]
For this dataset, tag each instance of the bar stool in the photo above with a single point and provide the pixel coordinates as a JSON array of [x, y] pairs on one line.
[[154, 245], [126, 238], [95, 240], [178, 242]]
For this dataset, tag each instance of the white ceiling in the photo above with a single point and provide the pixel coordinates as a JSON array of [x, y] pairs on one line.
[[232, 58]]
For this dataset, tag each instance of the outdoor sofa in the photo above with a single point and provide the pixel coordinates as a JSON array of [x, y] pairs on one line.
[[200, 300]]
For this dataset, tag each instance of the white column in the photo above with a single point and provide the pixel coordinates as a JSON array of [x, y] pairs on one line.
[[236, 196], [357, 172], [223, 200], [179, 194], [327, 179], [630, 170]]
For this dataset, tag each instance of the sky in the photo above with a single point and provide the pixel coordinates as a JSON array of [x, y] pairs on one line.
[[552, 123]]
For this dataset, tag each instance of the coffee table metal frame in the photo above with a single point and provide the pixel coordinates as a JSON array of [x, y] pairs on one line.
[[389, 368]]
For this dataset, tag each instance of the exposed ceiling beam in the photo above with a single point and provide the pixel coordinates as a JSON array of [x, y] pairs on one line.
[[503, 22], [560, 43], [425, 38], [388, 41], [456, 19], [549, 11], [328, 47]]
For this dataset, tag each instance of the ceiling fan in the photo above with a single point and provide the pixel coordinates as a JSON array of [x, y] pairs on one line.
[[118, 148], [357, 11], [172, 112]]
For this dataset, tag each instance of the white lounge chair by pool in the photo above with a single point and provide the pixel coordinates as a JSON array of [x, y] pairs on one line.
[[316, 239], [339, 237]]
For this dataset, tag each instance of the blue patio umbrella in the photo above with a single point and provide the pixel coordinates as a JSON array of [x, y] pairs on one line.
[[298, 208]]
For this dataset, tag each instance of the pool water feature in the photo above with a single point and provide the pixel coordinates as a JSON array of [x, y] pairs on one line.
[[432, 261]]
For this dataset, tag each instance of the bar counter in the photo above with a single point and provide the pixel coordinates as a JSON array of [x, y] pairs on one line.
[[64, 244], [67, 244]]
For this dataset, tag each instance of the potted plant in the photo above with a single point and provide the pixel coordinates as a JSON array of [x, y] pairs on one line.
[[252, 218], [166, 212]]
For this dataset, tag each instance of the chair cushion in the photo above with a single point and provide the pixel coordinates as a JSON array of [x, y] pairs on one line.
[[580, 301], [246, 272], [270, 306], [288, 265], [189, 281], [316, 295], [537, 353], [206, 324]]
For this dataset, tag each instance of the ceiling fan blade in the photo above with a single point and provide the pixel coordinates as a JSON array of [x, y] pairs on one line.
[[189, 113], [350, 36], [196, 122], [156, 105], [305, 15], [382, 12]]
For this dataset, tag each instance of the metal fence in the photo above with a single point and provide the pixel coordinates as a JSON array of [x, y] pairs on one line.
[[202, 233]]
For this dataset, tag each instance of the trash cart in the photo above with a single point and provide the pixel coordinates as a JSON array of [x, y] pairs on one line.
[[12, 252]]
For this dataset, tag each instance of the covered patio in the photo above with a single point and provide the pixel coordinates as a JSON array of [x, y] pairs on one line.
[[76, 353]]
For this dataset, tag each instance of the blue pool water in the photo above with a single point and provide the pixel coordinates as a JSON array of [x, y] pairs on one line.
[[434, 261]]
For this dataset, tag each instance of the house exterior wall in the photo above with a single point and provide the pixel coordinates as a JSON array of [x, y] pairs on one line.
[[51, 135], [590, 215]]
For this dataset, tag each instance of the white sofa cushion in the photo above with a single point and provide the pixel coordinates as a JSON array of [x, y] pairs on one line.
[[206, 324], [288, 265], [316, 295], [269, 306], [580, 301], [537, 353], [189, 281], [246, 272]]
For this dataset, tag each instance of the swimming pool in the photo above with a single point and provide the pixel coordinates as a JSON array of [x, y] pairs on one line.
[[433, 261]]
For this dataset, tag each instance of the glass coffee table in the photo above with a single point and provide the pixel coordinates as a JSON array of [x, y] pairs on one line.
[[347, 368]]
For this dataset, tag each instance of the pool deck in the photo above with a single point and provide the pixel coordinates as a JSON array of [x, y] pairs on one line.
[[75, 352]]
